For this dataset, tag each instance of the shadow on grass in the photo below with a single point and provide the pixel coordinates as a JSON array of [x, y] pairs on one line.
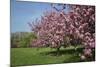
[[74, 59], [74, 55], [63, 52]]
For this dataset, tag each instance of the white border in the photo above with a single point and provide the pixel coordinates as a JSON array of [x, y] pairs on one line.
[[83, 2], [4, 33]]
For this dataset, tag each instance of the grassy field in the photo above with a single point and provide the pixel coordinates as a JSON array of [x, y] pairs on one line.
[[36, 56]]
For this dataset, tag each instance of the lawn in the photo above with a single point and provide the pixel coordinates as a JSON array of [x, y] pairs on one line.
[[37, 56]]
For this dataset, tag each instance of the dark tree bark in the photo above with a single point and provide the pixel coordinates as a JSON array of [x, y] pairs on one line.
[[58, 50]]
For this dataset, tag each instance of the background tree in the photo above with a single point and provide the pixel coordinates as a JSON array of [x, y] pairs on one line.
[[22, 39]]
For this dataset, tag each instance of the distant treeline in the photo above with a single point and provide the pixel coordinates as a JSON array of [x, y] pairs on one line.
[[22, 39]]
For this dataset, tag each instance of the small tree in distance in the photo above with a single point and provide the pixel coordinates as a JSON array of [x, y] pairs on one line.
[[58, 28]]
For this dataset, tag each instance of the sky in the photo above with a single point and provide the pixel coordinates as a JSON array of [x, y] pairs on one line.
[[24, 12]]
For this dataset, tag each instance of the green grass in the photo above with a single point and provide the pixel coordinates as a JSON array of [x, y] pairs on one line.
[[36, 56]]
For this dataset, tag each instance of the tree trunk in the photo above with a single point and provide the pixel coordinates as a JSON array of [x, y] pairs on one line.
[[58, 50]]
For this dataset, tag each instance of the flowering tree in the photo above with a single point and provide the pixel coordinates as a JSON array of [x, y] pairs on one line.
[[82, 20], [58, 28], [51, 31]]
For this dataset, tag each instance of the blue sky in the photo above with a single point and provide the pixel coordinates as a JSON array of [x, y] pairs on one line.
[[24, 12]]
